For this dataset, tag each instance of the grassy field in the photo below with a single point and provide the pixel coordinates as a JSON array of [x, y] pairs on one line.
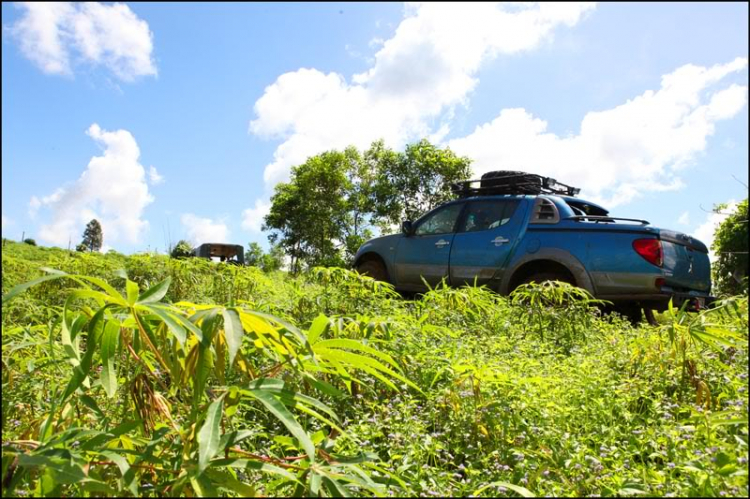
[[148, 376]]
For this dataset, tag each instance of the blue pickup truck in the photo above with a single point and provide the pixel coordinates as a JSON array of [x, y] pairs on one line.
[[515, 228]]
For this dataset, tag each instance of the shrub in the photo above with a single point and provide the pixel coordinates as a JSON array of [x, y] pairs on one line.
[[182, 249]]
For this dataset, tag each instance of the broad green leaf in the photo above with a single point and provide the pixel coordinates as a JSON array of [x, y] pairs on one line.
[[282, 413], [156, 292], [226, 481], [289, 397], [81, 372], [255, 466], [16, 290], [323, 386], [112, 292], [317, 328], [123, 465], [171, 321], [233, 333], [132, 290], [203, 366], [91, 404], [360, 362], [314, 485], [234, 437], [523, 492], [334, 488], [355, 345], [110, 339], [210, 434], [203, 487], [63, 470]]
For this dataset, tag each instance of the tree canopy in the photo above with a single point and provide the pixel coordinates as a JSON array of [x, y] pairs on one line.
[[731, 248], [182, 249], [93, 238], [334, 201]]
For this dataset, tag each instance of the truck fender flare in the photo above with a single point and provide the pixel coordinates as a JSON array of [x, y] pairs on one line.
[[562, 257]]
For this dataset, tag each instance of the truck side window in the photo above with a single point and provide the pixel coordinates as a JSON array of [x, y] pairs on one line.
[[441, 222], [486, 215]]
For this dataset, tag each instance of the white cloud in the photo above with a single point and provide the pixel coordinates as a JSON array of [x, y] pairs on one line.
[[51, 34], [154, 177], [7, 222], [428, 66], [112, 189], [252, 218], [619, 153], [684, 219], [705, 232], [204, 230], [34, 204]]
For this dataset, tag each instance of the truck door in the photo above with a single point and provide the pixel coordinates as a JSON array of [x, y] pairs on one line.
[[484, 240], [425, 253]]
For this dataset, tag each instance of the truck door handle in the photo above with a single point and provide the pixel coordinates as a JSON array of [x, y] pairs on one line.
[[442, 243], [499, 241]]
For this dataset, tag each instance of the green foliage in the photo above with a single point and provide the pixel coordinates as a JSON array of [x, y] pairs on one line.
[[29, 241], [182, 249], [308, 214], [152, 376], [334, 200], [731, 247], [415, 181], [93, 238], [557, 311], [254, 255], [268, 262]]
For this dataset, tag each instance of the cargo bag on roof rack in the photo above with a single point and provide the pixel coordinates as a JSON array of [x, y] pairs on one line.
[[520, 182], [510, 182]]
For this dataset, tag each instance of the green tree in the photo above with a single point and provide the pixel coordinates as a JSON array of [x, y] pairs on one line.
[[309, 216], [254, 255], [93, 238], [182, 249], [731, 248], [29, 241], [273, 260], [411, 183], [333, 201]]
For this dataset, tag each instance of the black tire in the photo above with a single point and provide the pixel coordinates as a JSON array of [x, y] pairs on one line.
[[649, 313], [541, 277], [374, 269], [632, 312]]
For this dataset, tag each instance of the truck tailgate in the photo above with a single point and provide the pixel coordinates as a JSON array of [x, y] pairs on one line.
[[686, 261]]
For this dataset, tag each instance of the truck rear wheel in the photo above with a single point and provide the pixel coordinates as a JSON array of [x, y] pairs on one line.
[[541, 277], [374, 269]]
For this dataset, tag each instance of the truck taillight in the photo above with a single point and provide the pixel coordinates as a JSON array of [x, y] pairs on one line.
[[650, 250]]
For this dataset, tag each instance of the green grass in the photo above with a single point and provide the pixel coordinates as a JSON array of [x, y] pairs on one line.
[[339, 386]]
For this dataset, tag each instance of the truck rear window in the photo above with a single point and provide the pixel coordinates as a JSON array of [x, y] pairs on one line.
[[583, 208]]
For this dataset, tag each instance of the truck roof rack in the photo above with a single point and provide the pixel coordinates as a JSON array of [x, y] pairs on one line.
[[508, 182]]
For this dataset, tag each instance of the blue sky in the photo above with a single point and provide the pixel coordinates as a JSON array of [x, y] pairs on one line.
[[176, 120]]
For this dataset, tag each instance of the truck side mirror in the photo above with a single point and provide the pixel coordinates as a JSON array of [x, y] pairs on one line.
[[406, 227]]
